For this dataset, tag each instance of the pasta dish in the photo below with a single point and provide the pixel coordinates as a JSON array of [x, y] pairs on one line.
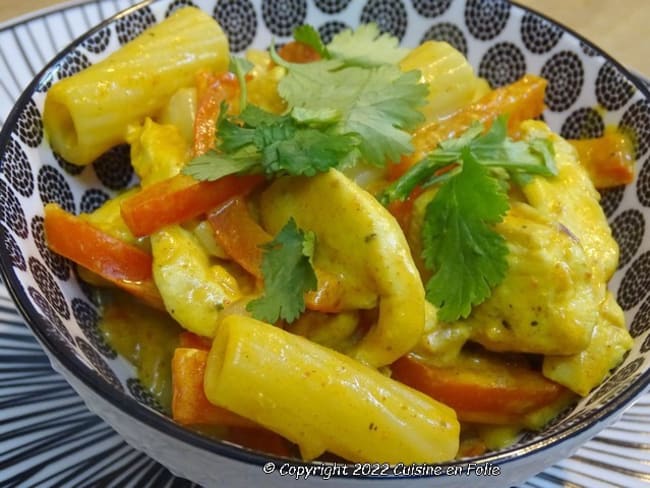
[[350, 250]]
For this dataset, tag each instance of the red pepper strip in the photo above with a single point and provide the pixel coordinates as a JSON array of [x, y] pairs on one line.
[[521, 100], [212, 90], [298, 52], [123, 264], [179, 199], [609, 159], [241, 236], [488, 392]]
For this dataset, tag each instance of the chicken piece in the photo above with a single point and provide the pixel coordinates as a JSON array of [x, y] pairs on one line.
[[548, 302], [158, 151], [571, 199], [193, 290], [441, 343], [335, 331], [610, 340], [361, 243], [109, 219]]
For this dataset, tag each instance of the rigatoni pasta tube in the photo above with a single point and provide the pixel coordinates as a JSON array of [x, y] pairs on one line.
[[323, 400], [87, 113]]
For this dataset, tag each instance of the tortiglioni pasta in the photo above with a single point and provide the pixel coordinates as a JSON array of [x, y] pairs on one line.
[[323, 400], [87, 114]]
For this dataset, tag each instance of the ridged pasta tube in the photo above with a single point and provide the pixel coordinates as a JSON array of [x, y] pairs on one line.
[[87, 114], [451, 79], [323, 400]]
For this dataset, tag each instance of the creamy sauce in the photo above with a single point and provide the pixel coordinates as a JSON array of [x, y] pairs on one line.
[[143, 336]]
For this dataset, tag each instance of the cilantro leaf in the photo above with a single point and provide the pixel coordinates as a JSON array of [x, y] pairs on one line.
[[468, 257], [308, 151], [273, 144], [494, 149], [366, 47], [241, 66], [288, 274], [310, 36], [379, 104], [213, 165]]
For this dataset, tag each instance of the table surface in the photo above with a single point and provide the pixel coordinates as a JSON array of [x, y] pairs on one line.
[[618, 27]]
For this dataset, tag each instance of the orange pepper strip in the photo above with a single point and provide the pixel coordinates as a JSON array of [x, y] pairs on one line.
[[521, 100], [180, 198], [241, 236], [189, 403], [298, 52], [493, 393], [609, 159], [212, 90], [187, 339], [123, 264]]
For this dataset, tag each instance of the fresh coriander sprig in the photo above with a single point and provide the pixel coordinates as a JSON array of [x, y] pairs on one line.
[[365, 47], [310, 36], [288, 275], [467, 256], [240, 67], [337, 114], [262, 142], [379, 103], [521, 159]]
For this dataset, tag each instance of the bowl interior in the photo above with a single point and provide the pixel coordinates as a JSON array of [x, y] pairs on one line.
[[587, 92]]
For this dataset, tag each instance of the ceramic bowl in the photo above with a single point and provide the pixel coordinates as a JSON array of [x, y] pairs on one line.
[[587, 92]]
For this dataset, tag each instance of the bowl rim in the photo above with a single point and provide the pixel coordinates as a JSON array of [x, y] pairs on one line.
[[121, 401]]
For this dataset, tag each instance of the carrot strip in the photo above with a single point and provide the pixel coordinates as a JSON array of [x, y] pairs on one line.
[[521, 100], [488, 392], [609, 159], [189, 403], [212, 90], [179, 199], [122, 264]]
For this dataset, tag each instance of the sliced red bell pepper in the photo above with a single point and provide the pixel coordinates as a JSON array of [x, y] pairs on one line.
[[241, 236], [298, 52], [190, 340], [484, 391], [123, 264], [212, 90], [521, 100], [179, 199], [609, 159]]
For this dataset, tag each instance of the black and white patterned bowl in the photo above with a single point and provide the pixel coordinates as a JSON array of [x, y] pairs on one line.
[[587, 92]]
